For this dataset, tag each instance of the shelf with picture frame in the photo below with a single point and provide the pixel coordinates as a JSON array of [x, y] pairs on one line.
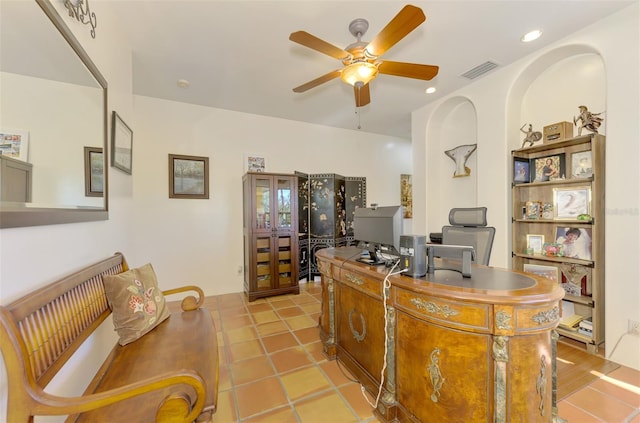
[[558, 191]]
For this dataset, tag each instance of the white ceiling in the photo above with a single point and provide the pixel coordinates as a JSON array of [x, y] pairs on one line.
[[236, 54]]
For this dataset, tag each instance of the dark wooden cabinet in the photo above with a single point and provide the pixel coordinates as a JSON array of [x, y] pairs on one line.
[[270, 234]]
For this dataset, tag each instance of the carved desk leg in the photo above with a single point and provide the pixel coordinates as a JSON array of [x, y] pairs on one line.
[[386, 407], [327, 318], [554, 381], [500, 358]]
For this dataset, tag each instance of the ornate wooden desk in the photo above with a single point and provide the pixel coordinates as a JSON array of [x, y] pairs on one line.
[[480, 349]]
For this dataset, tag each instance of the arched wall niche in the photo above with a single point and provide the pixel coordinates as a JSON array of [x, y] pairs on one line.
[[552, 87], [454, 123]]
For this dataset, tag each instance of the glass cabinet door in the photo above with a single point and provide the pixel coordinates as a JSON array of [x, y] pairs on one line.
[[283, 192], [263, 203]]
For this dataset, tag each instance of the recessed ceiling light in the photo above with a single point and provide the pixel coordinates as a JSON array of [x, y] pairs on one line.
[[430, 90], [183, 83], [531, 36]]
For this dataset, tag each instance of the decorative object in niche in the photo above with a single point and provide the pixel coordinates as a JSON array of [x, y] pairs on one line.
[[15, 144], [121, 144], [406, 195], [188, 176], [93, 172], [589, 121], [557, 132], [531, 136], [79, 9], [459, 155]]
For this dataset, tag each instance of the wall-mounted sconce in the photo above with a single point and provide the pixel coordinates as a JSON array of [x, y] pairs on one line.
[[79, 9]]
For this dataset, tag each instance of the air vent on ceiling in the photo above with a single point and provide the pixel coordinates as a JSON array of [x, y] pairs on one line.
[[480, 70]]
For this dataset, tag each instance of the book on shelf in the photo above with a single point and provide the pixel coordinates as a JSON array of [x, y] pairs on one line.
[[586, 323], [571, 322], [585, 332]]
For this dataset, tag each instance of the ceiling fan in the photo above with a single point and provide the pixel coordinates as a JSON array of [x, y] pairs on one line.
[[362, 60]]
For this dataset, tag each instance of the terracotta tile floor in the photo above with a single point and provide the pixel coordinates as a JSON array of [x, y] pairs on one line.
[[272, 370]]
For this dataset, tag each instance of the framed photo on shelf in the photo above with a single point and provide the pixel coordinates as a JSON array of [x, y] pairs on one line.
[[93, 172], [121, 144], [535, 243], [255, 163], [549, 272], [521, 171], [549, 168], [581, 165], [575, 242], [569, 203], [188, 176]]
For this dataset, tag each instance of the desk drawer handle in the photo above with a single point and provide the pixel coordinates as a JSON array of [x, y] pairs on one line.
[[357, 336], [433, 308], [437, 380], [353, 279]]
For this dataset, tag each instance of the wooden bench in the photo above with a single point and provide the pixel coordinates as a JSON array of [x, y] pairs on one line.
[[168, 375]]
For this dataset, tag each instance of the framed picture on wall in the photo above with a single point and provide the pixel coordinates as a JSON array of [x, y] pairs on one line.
[[93, 172], [121, 144], [188, 176]]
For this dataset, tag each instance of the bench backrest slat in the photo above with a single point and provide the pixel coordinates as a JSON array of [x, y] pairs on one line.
[[55, 320]]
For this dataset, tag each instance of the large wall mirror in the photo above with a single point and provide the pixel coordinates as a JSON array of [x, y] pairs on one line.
[[53, 104]]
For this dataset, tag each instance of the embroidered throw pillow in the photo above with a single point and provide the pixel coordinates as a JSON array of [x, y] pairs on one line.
[[136, 302]]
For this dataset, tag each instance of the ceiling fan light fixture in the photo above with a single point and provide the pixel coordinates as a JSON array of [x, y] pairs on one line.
[[359, 73]]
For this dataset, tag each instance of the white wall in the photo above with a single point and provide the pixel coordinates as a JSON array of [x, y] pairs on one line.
[[501, 110], [200, 241]]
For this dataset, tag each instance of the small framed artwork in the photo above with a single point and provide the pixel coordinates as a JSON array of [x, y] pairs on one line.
[[549, 168], [575, 242], [121, 144], [569, 203], [534, 244], [549, 272], [581, 166], [15, 144], [188, 176], [93, 172], [521, 172], [533, 210], [255, 163]]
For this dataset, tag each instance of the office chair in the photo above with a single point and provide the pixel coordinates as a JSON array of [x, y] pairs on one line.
[[469, 227]]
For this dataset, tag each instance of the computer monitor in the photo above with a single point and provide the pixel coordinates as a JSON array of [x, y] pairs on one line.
[[379, 230]]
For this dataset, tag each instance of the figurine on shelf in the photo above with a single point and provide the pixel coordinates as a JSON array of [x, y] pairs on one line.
[[588, 120], [532, 136]]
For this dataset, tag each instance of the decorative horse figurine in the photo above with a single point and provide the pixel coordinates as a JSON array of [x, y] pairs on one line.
[[459, 155]]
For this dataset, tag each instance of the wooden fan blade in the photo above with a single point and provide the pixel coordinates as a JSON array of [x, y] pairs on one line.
[[311, 84], [362, 94], [315, 43], [408, 70], [408, 19]]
